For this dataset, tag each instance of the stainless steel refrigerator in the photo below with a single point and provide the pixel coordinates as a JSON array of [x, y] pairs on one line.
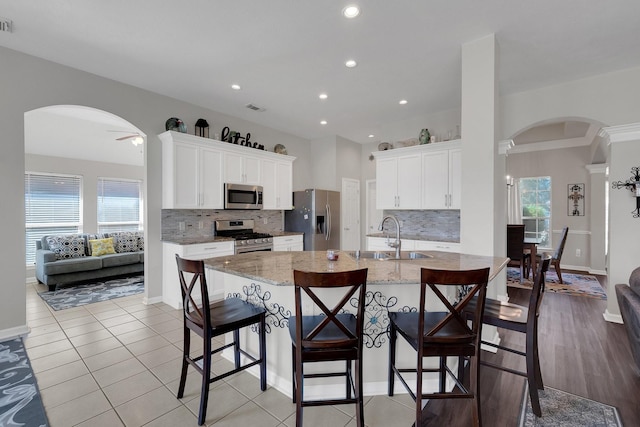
[[316, 213]]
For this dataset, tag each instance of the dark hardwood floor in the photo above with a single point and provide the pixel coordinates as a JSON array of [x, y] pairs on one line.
[[580, 353]]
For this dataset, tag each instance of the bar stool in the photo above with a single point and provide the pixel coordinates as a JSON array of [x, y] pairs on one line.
[[522, 319], [441, 334], [333, 335], [210, 320]]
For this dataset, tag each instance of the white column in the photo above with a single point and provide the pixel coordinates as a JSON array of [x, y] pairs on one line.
[[597, 218], [624, 229], [482, 188]]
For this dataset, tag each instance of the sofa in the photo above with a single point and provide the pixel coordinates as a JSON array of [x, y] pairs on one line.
[[629, 302], [72, 258]]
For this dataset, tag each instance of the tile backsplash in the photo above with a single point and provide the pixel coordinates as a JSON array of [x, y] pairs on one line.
[[200, 222], [443, 225]]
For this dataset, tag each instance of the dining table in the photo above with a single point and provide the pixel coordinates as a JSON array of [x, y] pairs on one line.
[[531, 244]]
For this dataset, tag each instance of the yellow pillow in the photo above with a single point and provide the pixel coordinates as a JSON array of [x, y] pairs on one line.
[[102, 247]]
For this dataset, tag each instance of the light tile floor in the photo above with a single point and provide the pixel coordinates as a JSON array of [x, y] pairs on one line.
[[117, 363]]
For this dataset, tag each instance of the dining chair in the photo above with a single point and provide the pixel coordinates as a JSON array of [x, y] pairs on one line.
[[209, 320], [522, 319], [557, 254], [515, 249], [333, 335], [441, 334]]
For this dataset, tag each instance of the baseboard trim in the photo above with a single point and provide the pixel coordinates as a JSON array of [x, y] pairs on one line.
[[152, 300], [613, 318], [572, 267], [600, 272], [17, 332]]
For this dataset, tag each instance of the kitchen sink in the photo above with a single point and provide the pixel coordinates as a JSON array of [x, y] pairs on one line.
[[389, 255]]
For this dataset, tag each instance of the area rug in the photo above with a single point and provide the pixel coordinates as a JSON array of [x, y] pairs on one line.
[[77, 295], [574, 284], [562, 409], [20, 402]]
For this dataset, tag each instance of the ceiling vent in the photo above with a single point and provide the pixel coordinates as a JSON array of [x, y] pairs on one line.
[[6, 25], [255, 108]]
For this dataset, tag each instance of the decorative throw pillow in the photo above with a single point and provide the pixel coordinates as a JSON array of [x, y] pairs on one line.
[[89, 237], [66, 247], [126, 241], [102, 246], [141, 242]]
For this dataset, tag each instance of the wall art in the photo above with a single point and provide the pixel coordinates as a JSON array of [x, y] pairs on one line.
[[575, 200]]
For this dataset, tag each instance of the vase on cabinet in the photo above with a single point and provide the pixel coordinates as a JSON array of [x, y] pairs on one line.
[[425, 136]]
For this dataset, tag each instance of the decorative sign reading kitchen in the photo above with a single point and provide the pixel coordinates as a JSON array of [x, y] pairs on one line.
[[235, 138]]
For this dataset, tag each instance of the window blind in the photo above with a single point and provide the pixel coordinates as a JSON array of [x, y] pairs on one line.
[[119, 205], [53, 205]]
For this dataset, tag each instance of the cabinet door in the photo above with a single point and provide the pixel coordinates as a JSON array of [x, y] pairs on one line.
[[435, 185], [409, 179], [186, 191], [455, 178], [269, 186], [251, 168], [211, 191], [233, 168], [386, 183], [284, 185]]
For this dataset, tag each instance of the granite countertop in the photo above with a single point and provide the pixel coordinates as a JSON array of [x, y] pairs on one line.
[[277, 267], [197, 240], [417, 237]]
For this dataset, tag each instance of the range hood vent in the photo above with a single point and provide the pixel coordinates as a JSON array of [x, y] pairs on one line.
[[255, 108]]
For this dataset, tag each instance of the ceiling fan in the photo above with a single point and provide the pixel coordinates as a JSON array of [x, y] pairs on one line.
[[136, 138]]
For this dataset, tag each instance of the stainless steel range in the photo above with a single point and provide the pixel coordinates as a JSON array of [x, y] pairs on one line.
[[246, 240]]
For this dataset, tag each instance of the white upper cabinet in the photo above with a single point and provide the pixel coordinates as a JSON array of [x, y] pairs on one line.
[[277, 183], [441, 178], [191, 176], [419, 177], [241, 168], [396, 180], [195, 169]]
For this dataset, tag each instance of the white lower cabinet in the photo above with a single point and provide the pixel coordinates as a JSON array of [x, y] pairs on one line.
[[171, 294], [428, 245], [288, 243], [382, 244]]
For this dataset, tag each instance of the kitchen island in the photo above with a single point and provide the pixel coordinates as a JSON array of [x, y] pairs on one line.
[[266, 279]]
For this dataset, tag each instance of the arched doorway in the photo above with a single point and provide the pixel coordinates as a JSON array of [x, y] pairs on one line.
[[73, 140]]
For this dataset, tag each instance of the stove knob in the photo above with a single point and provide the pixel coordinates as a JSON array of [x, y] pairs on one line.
[[241, 242]]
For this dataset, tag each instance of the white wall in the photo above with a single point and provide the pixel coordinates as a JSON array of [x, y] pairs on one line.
[[610, 98], [27, 83], [323, 167]]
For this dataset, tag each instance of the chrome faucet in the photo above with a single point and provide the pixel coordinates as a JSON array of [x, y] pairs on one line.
[[397, 243]]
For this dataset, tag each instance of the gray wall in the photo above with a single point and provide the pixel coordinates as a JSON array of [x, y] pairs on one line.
[[27, 83], [564, 166]]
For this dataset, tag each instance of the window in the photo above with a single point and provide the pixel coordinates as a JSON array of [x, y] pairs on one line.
[[53, 205], [119, 205], [535, 199]]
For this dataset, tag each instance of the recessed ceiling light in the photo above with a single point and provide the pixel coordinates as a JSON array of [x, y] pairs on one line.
[[371, 136], [351, 11], [351, 63], [323, 96], [402, 101], [235, 87], [323, 122]]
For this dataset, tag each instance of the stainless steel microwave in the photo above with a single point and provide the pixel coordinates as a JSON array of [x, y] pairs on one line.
[[241, 196]]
